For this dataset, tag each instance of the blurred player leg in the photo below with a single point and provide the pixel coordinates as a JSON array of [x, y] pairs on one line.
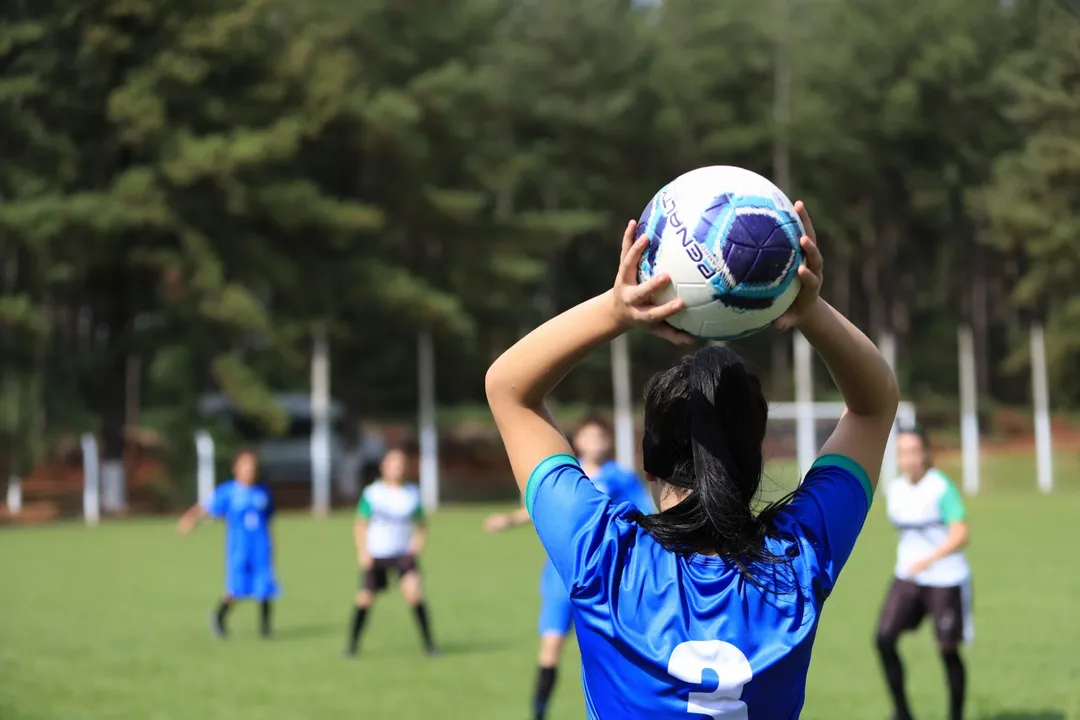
[[371, 582], [903, 610], [265, 589], [265, 612], [412, 591], [360, 613], [554, 624], [217, 620], [947, 609]]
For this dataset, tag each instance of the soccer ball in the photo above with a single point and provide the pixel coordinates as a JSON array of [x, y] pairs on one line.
[[729, 239]]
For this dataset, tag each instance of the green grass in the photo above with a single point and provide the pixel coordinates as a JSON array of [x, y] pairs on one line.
[[110, 623]]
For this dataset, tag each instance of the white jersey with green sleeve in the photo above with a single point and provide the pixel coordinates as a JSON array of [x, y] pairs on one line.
[[922, 513], [393, 513]]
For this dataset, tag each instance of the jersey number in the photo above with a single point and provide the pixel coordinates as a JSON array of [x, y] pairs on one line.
[[688, 662]]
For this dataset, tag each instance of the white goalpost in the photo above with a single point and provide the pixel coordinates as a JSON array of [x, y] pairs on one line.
[[807, 445]]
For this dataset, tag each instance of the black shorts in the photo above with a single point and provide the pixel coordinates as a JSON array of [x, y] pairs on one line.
[[376, 578], [949, 607]]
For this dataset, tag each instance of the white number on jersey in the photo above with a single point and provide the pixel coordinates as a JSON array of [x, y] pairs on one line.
[[688, 662]]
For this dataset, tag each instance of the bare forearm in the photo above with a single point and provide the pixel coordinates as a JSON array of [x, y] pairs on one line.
[[527, 372], [360, 538], [865, 380], [954, 542]]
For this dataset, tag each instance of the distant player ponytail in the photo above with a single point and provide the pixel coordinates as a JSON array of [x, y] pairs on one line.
[[705, 422]]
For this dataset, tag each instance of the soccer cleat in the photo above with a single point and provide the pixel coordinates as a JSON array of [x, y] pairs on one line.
[[349, 653], [431, 651]]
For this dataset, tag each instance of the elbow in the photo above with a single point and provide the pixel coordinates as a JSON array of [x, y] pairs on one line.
[[891, 394], [498, 386]]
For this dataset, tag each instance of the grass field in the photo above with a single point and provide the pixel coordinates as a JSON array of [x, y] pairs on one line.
[[110, 623]]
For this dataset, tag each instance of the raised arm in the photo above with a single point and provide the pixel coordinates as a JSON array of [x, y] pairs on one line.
[[520, 380], [191, 518], [497, 522], [864, 379]]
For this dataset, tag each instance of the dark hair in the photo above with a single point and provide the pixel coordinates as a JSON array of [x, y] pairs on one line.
[[245, 451], [594, 420], [705, 422], [918, 431], [924, 437]]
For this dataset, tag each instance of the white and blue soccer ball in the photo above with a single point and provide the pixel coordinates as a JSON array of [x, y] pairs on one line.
[[729, 239]]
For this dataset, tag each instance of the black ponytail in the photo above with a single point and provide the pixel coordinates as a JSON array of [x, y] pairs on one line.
[[705, 421]]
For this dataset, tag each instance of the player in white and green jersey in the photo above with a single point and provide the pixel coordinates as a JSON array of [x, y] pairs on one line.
[[932, 575], [390, 532]]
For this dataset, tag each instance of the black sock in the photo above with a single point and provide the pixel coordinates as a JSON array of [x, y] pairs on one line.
[[957, 677], [545, 683], [425, 627], [359, 617], [264, 618], [894, 675], [222, 611]]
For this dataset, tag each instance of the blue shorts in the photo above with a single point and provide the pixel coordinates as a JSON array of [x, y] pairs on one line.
[[250, 581], [556, 617]]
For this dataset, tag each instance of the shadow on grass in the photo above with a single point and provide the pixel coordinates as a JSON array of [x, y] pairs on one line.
[[1025, 715], [311, 631]]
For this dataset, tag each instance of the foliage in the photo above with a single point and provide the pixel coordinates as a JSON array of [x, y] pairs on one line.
[[189, 188]]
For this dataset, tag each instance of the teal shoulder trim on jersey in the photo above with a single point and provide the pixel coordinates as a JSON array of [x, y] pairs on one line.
[[843, 461], [952, 504], [540, 472], [363, 508]]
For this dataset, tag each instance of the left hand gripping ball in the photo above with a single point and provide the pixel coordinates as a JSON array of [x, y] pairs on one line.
[[729, 239]]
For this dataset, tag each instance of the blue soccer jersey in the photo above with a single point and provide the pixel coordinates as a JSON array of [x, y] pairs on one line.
[[686, 636], [622, 486], [247, 511]]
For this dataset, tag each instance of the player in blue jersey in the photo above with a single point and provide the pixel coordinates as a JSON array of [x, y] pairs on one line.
[[593, 442], [247, 509], [706, 609]]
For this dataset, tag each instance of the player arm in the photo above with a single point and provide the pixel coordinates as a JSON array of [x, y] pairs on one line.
[[518, 383], [954, 515], [865, 381], [191, 518], [360, 529], [420, 532], [498, 522], [834, 499]]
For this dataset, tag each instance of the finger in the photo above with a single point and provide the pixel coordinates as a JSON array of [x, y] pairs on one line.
[[812, 255], [640, 294], [628, 268], [809, 279], [657, 313], [672, 335], [808, 224], [627, 238]]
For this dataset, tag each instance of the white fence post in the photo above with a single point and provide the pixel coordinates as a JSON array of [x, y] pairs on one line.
[[429, 431], [1040, 395], [14, 494], [205, 468], [320, 424], [969, 409], [91, 479]]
